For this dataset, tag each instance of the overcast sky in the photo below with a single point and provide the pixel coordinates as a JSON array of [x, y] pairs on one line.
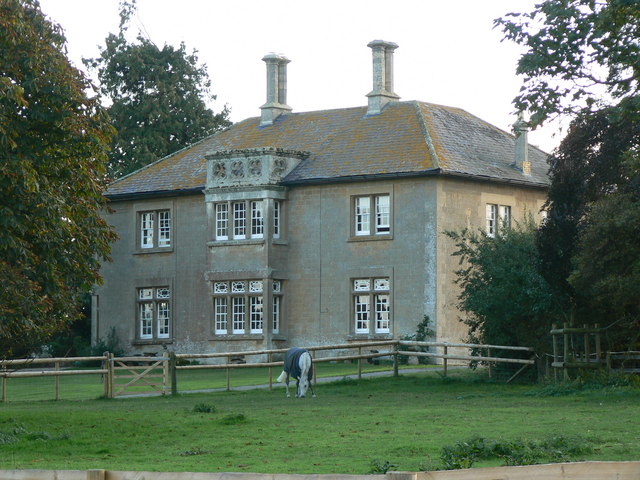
[[449, 53]]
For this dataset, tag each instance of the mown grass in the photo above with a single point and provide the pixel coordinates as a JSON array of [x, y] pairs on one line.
[[408, 422]]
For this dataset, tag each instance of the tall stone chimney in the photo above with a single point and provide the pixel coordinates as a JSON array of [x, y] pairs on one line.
[[521, 160], [382, 92], [276, 89]]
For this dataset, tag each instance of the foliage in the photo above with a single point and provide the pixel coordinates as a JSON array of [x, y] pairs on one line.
[[381, 467], [506, 300], [606, 273], [557, 448], [204, 408], [53, 140], [157, 98], [578, 54], [593, 161], [424, 332]]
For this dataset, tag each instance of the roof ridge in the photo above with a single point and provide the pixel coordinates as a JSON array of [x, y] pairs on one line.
[[427, 136]]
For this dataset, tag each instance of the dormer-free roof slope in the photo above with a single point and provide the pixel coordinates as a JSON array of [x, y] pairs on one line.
[[406, 139]]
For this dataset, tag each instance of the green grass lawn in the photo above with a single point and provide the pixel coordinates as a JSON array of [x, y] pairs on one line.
[[405, 421]]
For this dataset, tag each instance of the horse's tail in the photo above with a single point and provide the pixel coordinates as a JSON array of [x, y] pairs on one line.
[[282, 377]]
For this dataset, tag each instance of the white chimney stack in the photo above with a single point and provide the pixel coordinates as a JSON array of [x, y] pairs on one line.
[[276, 89], [382, 92]]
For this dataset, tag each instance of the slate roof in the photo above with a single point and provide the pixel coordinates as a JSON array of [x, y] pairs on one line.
[[406, 139]]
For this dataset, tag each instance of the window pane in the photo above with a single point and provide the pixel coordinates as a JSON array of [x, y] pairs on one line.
[[276, 315], [146, 320], [146, 230], [237, 287], [257, 223], [145, 293], [220, 312], [381, 284], [163, 319], [255, 314], [492, 211], [362, 313], [255, 286], [382, 214], [276, 219], [505, 216], [220, 287], [382, 313], [363, 216], [164, 228], [222, 221], [239, 314], [239, 220], [362, 285]]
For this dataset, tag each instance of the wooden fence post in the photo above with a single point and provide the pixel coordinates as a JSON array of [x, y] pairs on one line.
[[110, 374], [395, 359], [359, 363], [489, 363], [444, 360], [565, 358], [269, 359], [173, 373], [166, 370], [228, 373], [4, 385], [56, 367]]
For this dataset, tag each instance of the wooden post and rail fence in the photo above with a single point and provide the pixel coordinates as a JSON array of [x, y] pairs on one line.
[[581, 349], [133, 375]]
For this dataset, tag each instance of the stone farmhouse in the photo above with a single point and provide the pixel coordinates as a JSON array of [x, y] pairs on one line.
[[312, 228]]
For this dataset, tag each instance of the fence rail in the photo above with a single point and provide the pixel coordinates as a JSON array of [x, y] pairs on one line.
[[158, 374]]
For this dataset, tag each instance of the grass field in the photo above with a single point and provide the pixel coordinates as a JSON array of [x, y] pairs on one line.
[[405, 421]]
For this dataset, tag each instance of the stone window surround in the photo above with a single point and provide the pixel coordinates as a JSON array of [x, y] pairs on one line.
[[153, 283], [229, 277], [369, 273], [153, 206], [372, 194]]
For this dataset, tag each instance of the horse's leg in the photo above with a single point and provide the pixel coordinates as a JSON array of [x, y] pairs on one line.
[[287, 385]]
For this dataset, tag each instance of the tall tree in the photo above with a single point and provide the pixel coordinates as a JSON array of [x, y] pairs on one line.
[[157, 98], [581, 55], [53, 143], [582, 58]]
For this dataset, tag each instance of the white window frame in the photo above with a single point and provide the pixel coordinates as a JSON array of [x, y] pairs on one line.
[[243, 220], [239, 220], [155, 229], [276, 218], [497, 217], [257, 218], [371, 302], [372, 215], [154, 313], [222, 221], [239, 306]]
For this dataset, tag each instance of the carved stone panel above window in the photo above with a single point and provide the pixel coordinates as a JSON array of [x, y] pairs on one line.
[[251, 167]]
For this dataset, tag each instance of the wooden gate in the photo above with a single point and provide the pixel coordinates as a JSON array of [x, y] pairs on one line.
[[138, 375]]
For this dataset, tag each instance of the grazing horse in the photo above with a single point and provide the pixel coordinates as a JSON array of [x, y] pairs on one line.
[[298, 364]]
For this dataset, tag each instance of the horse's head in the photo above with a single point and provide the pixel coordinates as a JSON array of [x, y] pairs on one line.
[[303, 385]]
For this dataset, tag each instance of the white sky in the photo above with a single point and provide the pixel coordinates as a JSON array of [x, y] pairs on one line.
[[448, 51]]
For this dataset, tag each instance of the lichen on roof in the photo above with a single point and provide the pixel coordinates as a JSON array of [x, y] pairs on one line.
[[407, 138]]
